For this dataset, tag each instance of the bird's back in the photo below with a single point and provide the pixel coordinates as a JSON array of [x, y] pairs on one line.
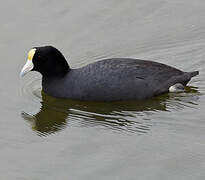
[[122, 79]]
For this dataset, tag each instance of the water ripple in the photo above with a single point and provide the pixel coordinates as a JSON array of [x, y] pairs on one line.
[[123, 117]]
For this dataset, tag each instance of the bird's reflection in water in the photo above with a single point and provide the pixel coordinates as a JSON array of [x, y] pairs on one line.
[[130, 116]]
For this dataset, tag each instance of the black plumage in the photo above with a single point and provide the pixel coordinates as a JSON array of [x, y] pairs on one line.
[[106, 80]]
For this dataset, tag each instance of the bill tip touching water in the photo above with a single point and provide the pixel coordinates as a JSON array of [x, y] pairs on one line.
[[112, 79]]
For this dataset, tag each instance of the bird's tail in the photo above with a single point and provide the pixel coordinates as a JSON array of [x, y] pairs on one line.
[[194, 73]]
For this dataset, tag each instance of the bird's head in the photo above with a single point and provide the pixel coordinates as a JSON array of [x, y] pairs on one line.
[[47, 60]]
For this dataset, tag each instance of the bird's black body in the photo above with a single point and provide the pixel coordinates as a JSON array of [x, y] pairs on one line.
[[106, 80]]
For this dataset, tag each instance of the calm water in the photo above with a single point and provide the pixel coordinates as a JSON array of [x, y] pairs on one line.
[[46, 138]]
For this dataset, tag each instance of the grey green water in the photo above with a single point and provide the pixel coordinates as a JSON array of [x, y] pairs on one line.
[[46, 138]]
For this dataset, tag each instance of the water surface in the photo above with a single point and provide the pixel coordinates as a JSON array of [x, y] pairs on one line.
[[47, 138]]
